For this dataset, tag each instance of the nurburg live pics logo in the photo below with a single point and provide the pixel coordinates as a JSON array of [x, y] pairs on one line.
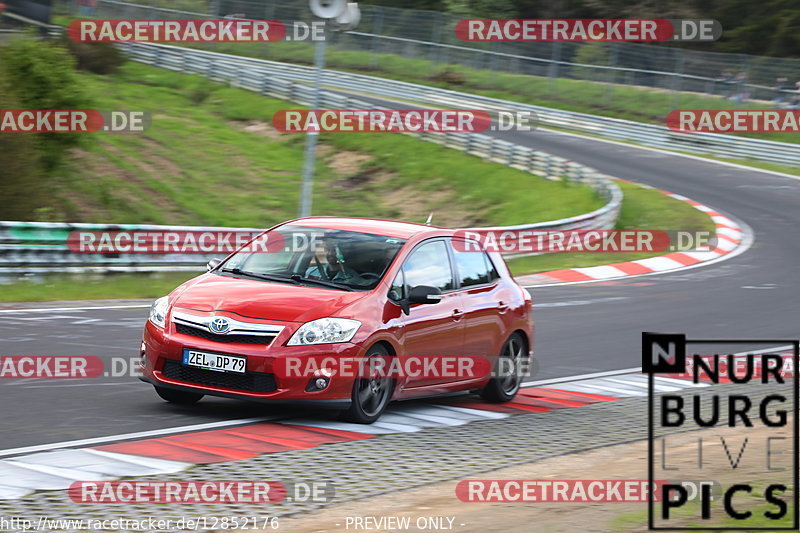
[[737, 399]]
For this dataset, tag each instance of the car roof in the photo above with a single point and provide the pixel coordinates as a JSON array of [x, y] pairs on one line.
[[388, 228]]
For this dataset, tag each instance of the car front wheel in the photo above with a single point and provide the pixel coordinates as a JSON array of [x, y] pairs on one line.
[[371, 393]]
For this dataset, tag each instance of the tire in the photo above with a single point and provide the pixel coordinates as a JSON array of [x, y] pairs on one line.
[[504, 388], [370, 395], [178, 396]]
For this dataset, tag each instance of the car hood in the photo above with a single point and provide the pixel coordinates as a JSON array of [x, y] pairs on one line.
[[263, 299]]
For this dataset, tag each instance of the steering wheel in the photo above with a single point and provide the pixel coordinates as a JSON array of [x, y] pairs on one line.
[[322, 272], [370, 275]]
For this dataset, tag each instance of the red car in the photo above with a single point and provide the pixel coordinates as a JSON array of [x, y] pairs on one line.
[[340, 289]]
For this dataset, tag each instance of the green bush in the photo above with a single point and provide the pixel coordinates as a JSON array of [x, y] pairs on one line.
[[42, 76], [21, 189], [100, 58]]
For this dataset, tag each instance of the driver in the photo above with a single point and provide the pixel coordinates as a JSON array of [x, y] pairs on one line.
[[334, 267]]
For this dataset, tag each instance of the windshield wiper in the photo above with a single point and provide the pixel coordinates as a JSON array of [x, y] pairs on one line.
[[294, 278], [321, 282], [256, 275]]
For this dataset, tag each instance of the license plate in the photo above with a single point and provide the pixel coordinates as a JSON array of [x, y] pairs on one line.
[[215, 361]]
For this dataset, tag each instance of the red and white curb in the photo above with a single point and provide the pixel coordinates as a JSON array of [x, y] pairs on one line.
[[732, 239], [59, 468]]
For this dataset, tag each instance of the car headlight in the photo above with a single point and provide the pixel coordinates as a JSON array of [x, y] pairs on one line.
[[158, 312], [325, 331]]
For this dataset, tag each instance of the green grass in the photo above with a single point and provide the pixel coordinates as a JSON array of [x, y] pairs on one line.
[[689, 515], [642, 209], [196, 164], [92, 287]]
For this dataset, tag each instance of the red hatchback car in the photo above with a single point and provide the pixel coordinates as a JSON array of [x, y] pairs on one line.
[[340, 289]]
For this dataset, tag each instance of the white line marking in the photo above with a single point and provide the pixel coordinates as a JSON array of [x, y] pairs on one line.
[[140, 306], [659, 263], [601, 272]]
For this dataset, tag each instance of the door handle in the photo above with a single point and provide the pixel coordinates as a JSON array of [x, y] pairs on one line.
[[457, 314], [502, 306]]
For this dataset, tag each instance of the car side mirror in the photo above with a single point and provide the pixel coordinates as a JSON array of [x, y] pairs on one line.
[[424, 294], [211, 265]]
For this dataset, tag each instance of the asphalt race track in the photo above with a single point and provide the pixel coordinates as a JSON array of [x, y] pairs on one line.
[[580, 328]]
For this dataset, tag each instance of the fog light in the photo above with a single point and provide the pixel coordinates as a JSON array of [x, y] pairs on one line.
[[142, 356], [317, 384]]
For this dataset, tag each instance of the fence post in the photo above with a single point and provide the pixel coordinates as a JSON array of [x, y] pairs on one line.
[[613, 54], [552, 73], [677, 80]]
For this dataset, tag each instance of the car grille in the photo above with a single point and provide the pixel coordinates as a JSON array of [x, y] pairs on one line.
[[249, 381], [246, 339]]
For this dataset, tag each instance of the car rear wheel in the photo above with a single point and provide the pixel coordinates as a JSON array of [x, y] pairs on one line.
[[371, 394], [178, 396], [504, 387]]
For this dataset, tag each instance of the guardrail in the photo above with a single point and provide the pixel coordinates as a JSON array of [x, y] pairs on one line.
[[226, 67], [41, 247]]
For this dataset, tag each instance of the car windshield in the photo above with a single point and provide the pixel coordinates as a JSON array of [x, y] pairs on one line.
[[313, 256]]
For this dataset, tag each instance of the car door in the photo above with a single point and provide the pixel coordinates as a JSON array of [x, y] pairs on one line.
[[432, 330], [484, 301]]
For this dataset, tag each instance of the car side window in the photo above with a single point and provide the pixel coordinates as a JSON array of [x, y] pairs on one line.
[[472, 266], [429, 265]]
